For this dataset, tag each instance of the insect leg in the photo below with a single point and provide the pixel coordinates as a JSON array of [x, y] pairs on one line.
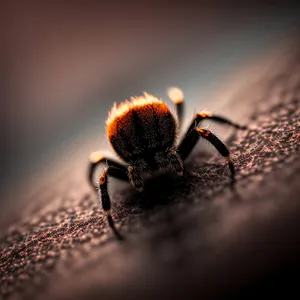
[[199, 117], [105, 198], [176, 95], [191, 140], [96, 158], [134, 174], [170, 160]]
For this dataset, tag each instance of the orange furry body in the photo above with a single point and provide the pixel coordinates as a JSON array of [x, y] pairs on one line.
[[139, 126], [120, 115]]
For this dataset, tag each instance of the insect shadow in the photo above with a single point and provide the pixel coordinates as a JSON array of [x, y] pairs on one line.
[[159, 189]]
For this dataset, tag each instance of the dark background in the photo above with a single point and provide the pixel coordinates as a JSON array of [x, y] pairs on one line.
[[65, 64], [64, 67]]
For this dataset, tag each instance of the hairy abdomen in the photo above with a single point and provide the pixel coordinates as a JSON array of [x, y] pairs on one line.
[[142, 131]]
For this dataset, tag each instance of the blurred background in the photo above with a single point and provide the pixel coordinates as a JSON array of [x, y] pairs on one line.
[[65, 64]]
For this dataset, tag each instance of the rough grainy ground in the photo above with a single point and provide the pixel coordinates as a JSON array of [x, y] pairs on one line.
[[195, 238]]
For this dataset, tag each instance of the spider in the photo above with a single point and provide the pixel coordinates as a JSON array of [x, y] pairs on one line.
[[143, 133]]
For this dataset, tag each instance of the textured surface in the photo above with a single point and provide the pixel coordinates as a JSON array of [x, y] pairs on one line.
[[193, 237]]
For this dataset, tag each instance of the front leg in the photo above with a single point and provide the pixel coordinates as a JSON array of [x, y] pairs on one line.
[[170, 159], [199, 117], [191, 139], [96, 159], [135, 174], [104, 195]]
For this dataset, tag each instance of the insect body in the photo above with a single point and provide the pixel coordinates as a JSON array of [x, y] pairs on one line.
[[143, 133]]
